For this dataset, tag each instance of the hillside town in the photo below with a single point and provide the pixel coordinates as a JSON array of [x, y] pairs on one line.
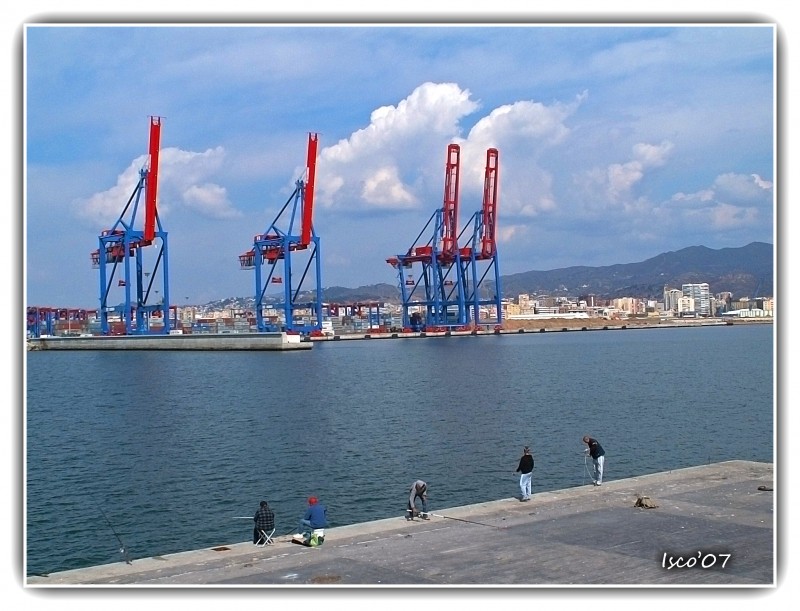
[[690, 301], [235, 315]]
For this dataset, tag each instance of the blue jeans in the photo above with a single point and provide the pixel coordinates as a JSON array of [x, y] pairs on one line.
[[412, 506], [305, 526], [525, 484]]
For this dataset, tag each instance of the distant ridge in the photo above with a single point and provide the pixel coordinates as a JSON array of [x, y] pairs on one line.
[[746, 272]]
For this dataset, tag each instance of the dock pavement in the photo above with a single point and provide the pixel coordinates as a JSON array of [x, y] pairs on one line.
[[705, 526]]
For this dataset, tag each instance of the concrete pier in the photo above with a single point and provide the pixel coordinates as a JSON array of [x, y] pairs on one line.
[[712, 525], [205, 341]]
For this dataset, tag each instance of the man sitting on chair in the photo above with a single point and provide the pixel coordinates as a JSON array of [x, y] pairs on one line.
[[265, 520]]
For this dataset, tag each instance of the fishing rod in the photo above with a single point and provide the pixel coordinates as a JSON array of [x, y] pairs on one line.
[[122, 549], [585, 469], [468, 521]]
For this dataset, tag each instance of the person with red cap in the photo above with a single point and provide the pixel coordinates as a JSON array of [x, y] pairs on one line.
[[316, 515]]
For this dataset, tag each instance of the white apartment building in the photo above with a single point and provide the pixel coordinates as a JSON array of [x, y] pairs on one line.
[[671, 297], [698, 292], [685, 305]]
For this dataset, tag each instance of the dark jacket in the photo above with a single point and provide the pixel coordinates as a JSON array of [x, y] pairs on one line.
[[525, 463], [264, 518], [595, 449]]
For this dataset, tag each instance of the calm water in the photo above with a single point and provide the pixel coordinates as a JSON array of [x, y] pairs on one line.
[[166, 449]]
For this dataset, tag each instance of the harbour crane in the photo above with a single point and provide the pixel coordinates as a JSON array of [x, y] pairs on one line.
[[40, 321], [437, 295], [123, 262], [479, 258], [283, 257]]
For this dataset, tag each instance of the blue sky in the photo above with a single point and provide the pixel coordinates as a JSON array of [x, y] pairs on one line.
[[616, 143]]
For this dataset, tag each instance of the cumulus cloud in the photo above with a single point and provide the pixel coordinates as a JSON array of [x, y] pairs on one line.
[[209, 200], [733, 201], [523, 132], [385, 189], [621, 177], [760, 182], [614, 187], [182, 184], [523, 120], [383, 165], [739, 188], [509, 233], [397, 162]]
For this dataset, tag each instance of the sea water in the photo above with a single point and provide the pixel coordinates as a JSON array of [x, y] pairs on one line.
[[157, 452]]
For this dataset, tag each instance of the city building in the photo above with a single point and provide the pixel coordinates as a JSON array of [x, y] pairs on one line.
[[698, 292]]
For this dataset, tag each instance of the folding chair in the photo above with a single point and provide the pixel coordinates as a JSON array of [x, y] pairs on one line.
[[265, 537]]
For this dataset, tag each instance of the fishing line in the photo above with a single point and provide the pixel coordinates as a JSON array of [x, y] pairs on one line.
[[122, 549], [468, 521], [290, 531], [586, 468]]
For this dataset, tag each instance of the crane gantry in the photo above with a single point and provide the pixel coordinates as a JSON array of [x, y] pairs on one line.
[[447, 291], [122, 256], [282, 256]]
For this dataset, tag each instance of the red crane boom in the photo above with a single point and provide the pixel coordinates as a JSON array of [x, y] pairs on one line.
[[308, 200], [450, 207], [152, 181], [488, 244]]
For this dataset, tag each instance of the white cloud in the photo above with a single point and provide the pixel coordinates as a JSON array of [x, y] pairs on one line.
[[622, 177], [182, 183], [523, 132], [523, 120], [209, 200], [105, 207], [740, 188], [395, 151], [619, 179], [652, 155], [760, 182], [396, 162], [726, 216], [733, 201], [384, 188], [704, 195], [508, 233]]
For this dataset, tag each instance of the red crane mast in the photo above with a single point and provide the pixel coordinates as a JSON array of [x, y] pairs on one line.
[[152, 181], [488, 243], [308, 200], [450, 207]]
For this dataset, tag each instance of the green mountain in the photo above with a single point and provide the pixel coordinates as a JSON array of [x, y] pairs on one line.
[[746, 272]]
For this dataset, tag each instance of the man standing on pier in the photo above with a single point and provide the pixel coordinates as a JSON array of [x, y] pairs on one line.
[[525, 468], [595, 450]]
